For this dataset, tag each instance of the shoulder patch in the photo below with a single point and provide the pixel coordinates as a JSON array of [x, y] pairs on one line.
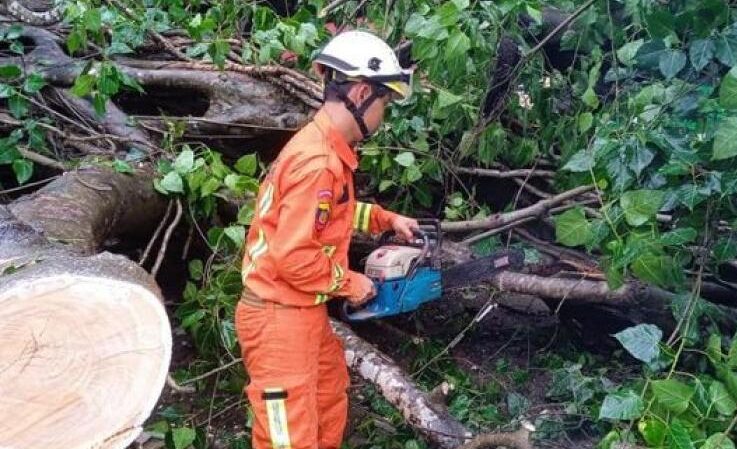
[[322, 214]]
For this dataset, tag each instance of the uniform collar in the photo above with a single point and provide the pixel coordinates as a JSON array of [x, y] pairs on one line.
[[336, 140]]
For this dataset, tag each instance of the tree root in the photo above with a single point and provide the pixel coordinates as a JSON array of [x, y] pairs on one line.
[[512, 440]]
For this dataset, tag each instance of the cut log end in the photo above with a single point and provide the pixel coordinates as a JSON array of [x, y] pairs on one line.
[[84, 356]]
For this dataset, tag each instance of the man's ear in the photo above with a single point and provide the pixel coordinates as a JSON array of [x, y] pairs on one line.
[[360, 92]]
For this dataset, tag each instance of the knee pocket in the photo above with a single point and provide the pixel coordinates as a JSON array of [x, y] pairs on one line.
[[286, 410]]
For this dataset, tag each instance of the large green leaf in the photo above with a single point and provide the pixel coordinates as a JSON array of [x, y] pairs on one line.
[[678, 236], [671, 62], [628, 51], [622, 405], [718, 441], [582, 161], [405, 159], [728, 90], [723, 402], [572, 228], [641, 341], [672, 394], [653, 431], [641, 205], [658, 269], [182, 437], [660, 23], [726, 49], [725, 140], [23, 170], [247, 165], [679, 437], [457, 46], [701, 53], [184, 163], [172, 182]]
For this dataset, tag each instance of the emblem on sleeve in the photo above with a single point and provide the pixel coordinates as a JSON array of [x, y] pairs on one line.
[[322, 215]]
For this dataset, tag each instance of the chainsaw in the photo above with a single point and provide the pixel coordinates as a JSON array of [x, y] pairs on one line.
[[408, 275]]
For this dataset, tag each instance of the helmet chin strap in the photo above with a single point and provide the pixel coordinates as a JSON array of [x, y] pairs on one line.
[[358, 111]]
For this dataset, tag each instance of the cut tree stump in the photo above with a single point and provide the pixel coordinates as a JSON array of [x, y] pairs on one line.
[[86, 342]]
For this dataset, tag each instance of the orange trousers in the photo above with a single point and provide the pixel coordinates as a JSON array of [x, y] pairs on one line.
[[298, 376]]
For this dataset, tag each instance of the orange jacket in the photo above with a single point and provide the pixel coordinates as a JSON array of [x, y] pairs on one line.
[[297, 246]]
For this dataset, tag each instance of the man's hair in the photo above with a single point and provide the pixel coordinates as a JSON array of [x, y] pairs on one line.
[[332, 88]]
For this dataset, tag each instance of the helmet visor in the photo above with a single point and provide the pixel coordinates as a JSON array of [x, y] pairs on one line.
[[400, 85]]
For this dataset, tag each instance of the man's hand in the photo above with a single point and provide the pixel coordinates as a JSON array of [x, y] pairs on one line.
[[403, 227], [365, 291]]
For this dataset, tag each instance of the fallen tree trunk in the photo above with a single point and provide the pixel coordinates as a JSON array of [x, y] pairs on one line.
[[86, 339]]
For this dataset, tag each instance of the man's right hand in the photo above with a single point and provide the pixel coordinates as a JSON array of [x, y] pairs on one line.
[[364, 290]]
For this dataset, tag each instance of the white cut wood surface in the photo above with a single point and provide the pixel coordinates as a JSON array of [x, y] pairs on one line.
[[83, 360]]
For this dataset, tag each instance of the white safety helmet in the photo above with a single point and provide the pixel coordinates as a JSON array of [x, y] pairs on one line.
[[361, 56]]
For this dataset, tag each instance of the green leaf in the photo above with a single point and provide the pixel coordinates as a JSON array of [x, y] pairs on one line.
[[247, 165], [33, 83], [660, 23], [193, 319], [446, 98], [725, 139], [184, 162], [245, 215], [23, 170], [726, 49], [457, 46], [680, 439], [628, 51], [93, 20], [18, 106], [641, 205], [83, 85], [237, 234], [590, 99], [725, 250], [572, 228], [671, 62], [701, 53], [728, 90], [585, 121], [659, 269], [172, 182], [183, 437], [653, 431], [405, 159], [583, 161], [624, 405], [6, 90], [122, 166], [209, 187], [718, 441], [678, 237], [672, 394], [724, 403], [196, 269], [76, 40], [641, 341], [10, 71], [649, 53]]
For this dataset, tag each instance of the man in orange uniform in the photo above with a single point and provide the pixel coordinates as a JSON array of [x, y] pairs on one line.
[[297, 251]]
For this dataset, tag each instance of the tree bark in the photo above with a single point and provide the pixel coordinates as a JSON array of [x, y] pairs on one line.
[[86, 339]]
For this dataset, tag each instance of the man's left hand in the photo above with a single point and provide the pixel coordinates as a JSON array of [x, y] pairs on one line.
[[403, 227]]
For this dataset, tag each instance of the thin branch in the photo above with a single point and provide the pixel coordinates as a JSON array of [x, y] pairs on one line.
[[156, 233], [211, 372], [41, 159], [167, 236], [29, 185], [523, 172], [171, 383]]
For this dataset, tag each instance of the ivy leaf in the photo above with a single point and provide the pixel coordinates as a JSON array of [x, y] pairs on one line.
[[122, 166], [680, 439], [33, 83], [247, 165], [10, 71], [652, 431], [671, 62], [623, 405], [196, 269], [182, 437], [672, 394], [660, 23], [184, 162], [572, 228], [209, 187], [649, 53], [718, 441], [701, 53], [405, 159], [678, 236], [457, 46], [585, 121], [728, 90], [628, 51], [725, 250], [83, 85], [659, 269], [583, 161], [18, 106], [641, 341], [641, 205], [23, 170], [237, 234], [725, 139], [172, 182], [726, 49], [723, 402]]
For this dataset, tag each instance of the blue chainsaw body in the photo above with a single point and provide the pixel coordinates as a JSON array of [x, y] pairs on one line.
[[410, 275], [401, 295]]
